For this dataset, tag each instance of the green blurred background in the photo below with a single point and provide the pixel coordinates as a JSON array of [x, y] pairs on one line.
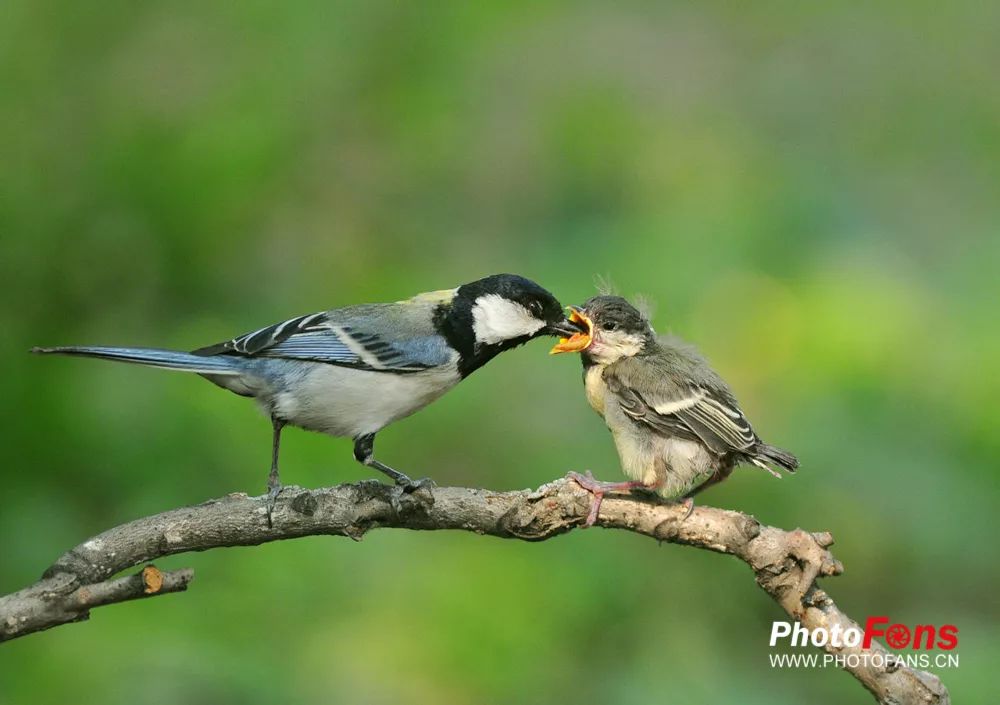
[[809, 193]]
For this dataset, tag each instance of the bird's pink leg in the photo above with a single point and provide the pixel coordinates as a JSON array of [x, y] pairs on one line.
[[597, 488]]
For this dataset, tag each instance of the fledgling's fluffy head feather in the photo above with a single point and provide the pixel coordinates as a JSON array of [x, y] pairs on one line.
[[619, 329], [605, 285]]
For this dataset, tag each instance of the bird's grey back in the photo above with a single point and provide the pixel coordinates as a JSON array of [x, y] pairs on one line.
[[408, 328], [674, 358], [399, 336]]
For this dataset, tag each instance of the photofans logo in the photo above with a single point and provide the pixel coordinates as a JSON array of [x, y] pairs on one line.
[[920, 646]]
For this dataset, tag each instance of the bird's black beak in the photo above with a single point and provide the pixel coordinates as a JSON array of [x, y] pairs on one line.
[[583, 331], [565, 328]]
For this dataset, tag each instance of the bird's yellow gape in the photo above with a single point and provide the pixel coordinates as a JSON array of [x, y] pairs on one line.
[[578, 342]]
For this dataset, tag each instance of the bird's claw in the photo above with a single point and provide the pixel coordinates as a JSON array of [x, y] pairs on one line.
[[410, 486], [421, 490], [598, 488], [587, 482], [274, 488]]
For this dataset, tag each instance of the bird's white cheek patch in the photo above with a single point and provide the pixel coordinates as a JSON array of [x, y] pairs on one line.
[[496, 319], [610, 347]]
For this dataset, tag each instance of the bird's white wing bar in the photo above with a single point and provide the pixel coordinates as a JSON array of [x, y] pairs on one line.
[[349, 342], [356, 344], [345, 346], [318, 345], [263, 338], [672, 407], [300, 324], [726, 423], [688, 412]]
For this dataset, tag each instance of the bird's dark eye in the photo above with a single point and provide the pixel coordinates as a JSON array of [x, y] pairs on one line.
[[609, 325], [535, 306]]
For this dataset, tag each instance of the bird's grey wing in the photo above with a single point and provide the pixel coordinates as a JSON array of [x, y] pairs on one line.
[[349, 337], [688, 410]]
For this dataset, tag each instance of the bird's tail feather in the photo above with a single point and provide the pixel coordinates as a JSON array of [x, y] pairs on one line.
[[164, 359], [768, 454]]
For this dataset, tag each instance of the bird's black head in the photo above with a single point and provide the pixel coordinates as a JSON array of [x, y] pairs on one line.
[[497, 313], [615, 329]]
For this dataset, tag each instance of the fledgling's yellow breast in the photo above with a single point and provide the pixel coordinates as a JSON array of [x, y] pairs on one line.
[[596, 388]]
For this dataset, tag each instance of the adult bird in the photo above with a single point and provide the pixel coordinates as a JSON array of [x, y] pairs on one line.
[[676, 424], [353, 371]]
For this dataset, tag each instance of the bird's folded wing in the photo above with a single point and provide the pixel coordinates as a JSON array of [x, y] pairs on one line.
[[685, 410], [339, 340]]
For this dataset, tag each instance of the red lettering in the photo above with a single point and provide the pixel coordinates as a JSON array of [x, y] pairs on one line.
[[948, 637], [922, 629], [871, 632]]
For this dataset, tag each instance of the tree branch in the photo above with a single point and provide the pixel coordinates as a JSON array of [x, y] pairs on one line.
[[786, 564]]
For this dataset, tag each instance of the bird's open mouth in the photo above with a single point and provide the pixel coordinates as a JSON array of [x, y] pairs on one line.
[[580, 341]]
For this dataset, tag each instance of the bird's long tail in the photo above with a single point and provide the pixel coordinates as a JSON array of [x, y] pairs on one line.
[[766, 455], [164, 359]]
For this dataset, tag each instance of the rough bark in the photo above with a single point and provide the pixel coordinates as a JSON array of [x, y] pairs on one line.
[[786, 564]]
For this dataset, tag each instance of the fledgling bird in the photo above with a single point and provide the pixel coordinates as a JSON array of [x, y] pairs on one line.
[[677, 426], [353, 371]]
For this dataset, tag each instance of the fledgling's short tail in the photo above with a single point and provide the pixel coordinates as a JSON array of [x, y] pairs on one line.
[[152, 357], [765, 455]]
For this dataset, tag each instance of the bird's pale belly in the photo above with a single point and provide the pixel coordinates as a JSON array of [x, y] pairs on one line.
[[347, 402], [688, 465], [675, 466]]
